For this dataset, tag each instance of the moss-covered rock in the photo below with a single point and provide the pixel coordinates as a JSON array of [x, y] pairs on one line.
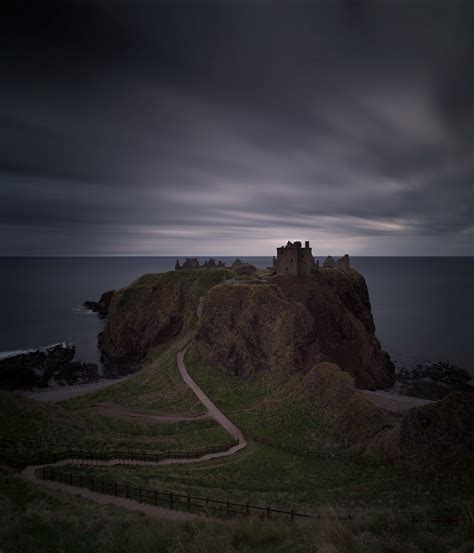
[[245, 328], [151, 310], [343, 326]]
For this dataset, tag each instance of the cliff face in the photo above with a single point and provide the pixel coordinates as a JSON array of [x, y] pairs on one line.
[[343, 326], [247, 328], [151, 310], [244, 327], [295, 322]]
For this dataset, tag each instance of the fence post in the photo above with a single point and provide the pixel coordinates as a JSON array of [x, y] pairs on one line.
[[171, 500]]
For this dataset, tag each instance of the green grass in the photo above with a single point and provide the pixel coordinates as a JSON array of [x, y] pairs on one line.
[[157, 389], [269, 476], [273, 407], [277, 407], [55, 522], [48, 428]]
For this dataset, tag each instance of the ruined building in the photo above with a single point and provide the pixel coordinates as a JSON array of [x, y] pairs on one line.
[[293, 259]]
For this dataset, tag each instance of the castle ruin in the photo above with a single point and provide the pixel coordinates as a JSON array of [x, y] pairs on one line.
[[294, 260]]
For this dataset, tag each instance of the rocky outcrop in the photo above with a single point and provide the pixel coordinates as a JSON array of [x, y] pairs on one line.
[[434, 380], [245, 329], [440, 427], [343, 326], [35, 368], [151, 310], [102, 306]]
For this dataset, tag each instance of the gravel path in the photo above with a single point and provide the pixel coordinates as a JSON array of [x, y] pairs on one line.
[[29, 473]]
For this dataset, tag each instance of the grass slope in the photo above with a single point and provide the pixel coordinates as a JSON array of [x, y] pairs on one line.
[[58, 523]]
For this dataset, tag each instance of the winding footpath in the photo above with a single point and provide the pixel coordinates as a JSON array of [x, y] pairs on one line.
[[29, 473]]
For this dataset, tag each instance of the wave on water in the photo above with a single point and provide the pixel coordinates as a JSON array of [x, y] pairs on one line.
[[82, 310], [5, 354]]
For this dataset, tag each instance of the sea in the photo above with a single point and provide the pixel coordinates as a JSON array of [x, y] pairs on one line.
[[423, 306]]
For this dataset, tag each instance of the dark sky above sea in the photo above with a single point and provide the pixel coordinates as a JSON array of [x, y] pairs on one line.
[[229, 127]]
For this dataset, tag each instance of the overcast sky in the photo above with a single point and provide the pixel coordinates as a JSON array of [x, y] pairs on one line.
[[153, 128]]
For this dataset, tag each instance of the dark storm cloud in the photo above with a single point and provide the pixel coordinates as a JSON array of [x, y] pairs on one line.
[[214, 127]]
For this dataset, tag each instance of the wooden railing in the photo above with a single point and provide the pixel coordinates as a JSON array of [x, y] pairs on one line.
[[188, 502]]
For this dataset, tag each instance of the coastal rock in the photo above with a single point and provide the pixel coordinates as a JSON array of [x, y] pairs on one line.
[[441, 426], [151, 310], [75, 372], [434, 381], [25, 370], [343, 326], [102, 306], [245, 329]]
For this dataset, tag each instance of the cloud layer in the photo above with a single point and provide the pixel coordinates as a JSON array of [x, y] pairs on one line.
[[225, 128]]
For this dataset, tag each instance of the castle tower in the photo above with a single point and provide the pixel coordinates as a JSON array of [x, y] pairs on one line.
[[294, 260]]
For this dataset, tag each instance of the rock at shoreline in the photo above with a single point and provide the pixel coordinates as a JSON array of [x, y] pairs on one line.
[[102, 306], [434, 381], [25, 370]]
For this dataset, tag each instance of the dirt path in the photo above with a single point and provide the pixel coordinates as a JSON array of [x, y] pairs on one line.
[[29, 473]]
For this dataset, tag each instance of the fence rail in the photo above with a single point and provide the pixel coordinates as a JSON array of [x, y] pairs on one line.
[[16, 453], [188, 502]]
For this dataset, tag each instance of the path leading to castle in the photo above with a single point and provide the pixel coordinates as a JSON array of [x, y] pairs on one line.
[[29, 473]]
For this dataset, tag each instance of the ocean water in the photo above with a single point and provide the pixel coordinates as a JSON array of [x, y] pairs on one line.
[[423, 307]]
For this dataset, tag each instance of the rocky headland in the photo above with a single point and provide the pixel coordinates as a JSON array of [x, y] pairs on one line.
[[102, 306], [246, 326]]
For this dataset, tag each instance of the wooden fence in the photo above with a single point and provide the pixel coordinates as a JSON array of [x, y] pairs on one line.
[[15, 453], [187, 502]]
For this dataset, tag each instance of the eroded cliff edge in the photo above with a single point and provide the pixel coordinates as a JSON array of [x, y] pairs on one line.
[[250, 325]]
